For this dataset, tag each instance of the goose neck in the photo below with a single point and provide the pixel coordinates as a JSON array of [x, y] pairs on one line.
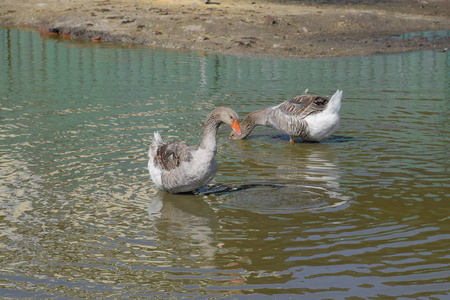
[[209, 134]]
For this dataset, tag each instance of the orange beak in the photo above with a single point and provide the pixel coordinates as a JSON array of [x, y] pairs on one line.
[[236, 127]]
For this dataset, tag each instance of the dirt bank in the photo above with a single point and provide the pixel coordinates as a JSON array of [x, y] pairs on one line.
[[250, 27]]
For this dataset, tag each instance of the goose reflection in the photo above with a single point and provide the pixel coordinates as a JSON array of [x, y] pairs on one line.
[[188, 222], [314, 165], [308, 176]]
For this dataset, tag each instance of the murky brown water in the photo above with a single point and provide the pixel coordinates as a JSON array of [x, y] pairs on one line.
[[364, 214]]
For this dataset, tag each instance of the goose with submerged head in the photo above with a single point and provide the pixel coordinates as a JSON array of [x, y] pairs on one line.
[[176, 167], [309, 117]]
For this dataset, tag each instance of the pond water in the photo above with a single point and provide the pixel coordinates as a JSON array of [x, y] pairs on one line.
[[364, 214]]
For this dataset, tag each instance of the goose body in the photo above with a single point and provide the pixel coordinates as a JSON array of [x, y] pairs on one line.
[[176, 167], [309, 117]]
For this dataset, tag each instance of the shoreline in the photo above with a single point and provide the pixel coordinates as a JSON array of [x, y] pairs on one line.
[[249, 28]]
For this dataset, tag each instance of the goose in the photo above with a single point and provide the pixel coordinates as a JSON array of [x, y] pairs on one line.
[[177, 168], [309, 117]]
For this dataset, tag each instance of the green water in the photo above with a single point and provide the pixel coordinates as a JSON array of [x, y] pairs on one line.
[[363, 215]]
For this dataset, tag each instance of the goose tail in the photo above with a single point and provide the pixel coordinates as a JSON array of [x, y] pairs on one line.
[[157, 140], [334, 105]]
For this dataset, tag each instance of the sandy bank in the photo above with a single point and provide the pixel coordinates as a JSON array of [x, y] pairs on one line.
[[240, 27]]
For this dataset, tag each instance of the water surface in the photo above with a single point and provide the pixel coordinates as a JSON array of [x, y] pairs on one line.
[[364, 214]]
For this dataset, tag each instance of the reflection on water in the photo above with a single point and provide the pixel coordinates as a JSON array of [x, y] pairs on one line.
[[191, 221], [429, 35], [301, 179], [363, 214]]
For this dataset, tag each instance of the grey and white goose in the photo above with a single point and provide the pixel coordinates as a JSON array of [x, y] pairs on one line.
[[309, 117], [176, 167]]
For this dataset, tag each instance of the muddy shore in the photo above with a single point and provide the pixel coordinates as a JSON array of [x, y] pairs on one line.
[[270, 28]]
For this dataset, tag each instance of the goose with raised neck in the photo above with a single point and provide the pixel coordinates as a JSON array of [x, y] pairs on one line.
[[176, 167]]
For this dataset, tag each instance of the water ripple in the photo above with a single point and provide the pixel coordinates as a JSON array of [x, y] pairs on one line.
[[360, 215]]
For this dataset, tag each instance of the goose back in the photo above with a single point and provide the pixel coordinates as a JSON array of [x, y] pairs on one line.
[[171, 155], [290, 115], [303, 105], [309, 117]]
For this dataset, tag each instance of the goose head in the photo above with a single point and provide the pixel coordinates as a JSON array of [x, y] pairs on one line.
[[224, 115], [246, 126]]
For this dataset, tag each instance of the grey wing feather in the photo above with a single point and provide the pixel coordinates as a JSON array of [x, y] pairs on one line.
[[171, 155], [304, 105]]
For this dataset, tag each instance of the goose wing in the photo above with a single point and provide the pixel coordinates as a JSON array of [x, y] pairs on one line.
[[170, 155], [303, 105]]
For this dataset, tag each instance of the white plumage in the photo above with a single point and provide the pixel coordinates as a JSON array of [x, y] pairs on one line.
[[309, 117]]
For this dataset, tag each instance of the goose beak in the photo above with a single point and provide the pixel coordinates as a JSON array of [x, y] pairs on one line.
[[236, 127]]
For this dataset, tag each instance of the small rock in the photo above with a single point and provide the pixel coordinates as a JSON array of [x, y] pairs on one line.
[[193, 28], [162, 12], [128, 21], [241, 43], [269, 20]]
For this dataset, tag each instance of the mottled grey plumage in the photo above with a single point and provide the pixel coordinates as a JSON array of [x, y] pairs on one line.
[[177, 167], [170, 155], [309, 117], [303, 105]]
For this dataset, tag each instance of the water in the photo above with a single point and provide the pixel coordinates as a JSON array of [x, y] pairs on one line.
[[364, 214], [429, 35]]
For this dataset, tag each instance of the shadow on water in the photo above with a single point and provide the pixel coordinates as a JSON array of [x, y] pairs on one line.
[[285, 137], [281, 177], [214, 189], [298, 178]]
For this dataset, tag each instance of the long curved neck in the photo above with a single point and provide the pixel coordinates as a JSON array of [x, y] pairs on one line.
[[255, 118], [209, 133]]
